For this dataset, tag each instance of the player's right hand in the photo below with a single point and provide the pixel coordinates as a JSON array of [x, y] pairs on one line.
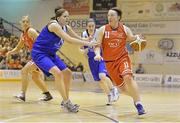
[[98, 58], [94, 43]]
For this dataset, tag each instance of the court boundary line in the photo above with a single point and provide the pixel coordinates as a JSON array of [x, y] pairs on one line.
[[45, 113], [94, 112]]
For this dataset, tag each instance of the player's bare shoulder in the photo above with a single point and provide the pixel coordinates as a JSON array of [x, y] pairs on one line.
[[31, 30]]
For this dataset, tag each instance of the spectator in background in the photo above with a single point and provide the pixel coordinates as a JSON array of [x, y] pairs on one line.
[[80, 67], [1, 27], [1, 24], [3, 63], [7, 44], [140, 69]]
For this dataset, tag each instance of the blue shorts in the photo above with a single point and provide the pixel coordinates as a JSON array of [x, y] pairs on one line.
[[45, 62], [97, 67]]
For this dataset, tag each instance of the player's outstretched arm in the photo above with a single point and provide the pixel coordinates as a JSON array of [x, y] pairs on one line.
[[33, 33], [57, 29], [19, 46]]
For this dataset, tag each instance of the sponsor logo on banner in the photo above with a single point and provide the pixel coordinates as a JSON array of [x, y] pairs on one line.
[[154, 27], [10, 74], [172, 79], [77, 7], [151, 10], [148, 78], [78, 23], [88, 77], [151, 57], [172, 57], [78, 77], [166, 44]]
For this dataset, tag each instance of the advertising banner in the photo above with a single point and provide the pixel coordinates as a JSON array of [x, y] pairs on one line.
[[151, 10]]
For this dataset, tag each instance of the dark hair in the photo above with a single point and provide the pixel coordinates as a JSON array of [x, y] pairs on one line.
[[90, 20], [59, 12], [118, 11], [57, 8]]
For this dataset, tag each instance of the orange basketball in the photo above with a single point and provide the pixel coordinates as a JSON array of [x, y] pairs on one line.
[[138, 45]]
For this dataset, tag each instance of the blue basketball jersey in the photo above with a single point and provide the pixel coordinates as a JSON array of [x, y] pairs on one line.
[[45, 48], [96, 67], [91, 52], [48, 42]]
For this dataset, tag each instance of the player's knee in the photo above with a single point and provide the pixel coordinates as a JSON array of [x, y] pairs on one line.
[[67, 72], [56, 72], [24, 71], [102, 76], [36, 75]]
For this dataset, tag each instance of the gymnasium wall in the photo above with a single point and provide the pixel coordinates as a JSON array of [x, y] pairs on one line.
[[162, 24], [157, 20], [40, 11]]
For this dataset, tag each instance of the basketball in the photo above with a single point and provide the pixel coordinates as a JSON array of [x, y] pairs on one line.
[[139, 44]]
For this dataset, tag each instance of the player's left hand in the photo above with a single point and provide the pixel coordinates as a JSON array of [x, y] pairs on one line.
[[98, 58]]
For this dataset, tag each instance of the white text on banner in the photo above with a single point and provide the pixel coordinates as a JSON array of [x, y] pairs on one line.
[[172, 80], [148, 78]]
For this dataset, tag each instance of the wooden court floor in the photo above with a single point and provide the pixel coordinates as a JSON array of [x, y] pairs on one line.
[[161, 103]]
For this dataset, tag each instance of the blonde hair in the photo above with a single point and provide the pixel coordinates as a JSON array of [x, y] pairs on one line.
[[26, 17]]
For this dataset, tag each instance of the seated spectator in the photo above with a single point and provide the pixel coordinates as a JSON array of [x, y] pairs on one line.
[[140, 69], [80, 67], [2, 64], [17, 64], [11, 64]]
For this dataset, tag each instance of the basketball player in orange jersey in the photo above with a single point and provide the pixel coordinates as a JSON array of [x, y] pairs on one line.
[[98, 69], [27, 39], [113, 37]]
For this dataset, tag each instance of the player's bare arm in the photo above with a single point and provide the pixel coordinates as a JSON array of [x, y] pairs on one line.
[[19, 46], [57, 29], [74, 34], [33, 34], [99, 39], [130, 36]]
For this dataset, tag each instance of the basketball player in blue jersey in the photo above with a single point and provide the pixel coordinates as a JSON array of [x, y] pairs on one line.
[[98, 68], [49, 41]]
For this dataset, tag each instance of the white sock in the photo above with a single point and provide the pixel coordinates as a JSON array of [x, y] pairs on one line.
[[66, 101], [138, 102], [23, 93]]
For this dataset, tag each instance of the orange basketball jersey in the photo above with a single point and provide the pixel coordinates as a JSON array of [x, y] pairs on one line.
[[114, 43], [27, 40]]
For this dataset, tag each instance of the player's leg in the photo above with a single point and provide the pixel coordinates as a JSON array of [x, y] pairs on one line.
[[54, 65], [25, 81], [37, 77], [67, 78], [94, 67], [67, 82], [105, 77], [114, 90], [132, 89], [104, 85], [130, 85]]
